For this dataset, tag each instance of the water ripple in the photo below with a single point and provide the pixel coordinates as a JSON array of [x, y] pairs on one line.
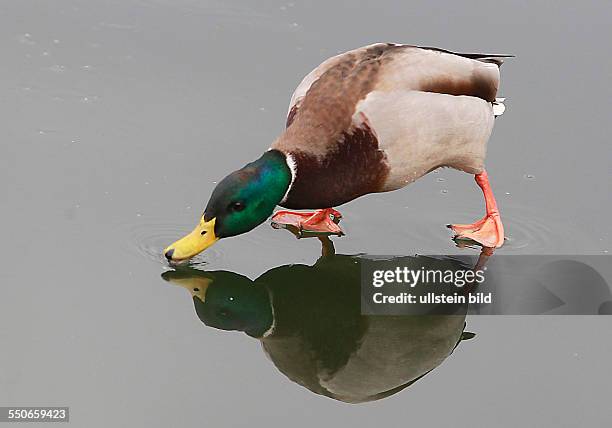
[[148, 239]]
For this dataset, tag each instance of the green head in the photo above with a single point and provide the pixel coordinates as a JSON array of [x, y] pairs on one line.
[[240, 202]]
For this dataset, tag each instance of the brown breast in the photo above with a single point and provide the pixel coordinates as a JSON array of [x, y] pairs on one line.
[[354, 168], [337, 160]]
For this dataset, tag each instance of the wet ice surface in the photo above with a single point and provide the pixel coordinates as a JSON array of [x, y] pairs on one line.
[[119, 119]]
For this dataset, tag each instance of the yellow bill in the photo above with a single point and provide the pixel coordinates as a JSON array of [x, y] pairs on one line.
[[197, 285], [202, 237]]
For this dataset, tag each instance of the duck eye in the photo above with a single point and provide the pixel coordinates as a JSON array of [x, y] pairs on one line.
[[236, 206]]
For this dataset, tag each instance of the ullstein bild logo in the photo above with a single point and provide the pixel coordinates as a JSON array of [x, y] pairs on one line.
[[504, 285]]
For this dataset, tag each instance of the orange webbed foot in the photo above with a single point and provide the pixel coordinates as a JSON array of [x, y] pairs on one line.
[[309, 223], [488, 232]]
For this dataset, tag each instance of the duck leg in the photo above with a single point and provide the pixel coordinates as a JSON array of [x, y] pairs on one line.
[[312, 223], [489, 230]]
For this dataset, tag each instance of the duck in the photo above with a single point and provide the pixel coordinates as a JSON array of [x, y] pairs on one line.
[[309, 322], [370, 120]]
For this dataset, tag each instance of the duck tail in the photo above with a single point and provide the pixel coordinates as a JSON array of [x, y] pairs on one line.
[[490, 58], [498, 106], [498, 60]]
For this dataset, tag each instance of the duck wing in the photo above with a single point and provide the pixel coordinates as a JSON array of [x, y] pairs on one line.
[[323, 104]]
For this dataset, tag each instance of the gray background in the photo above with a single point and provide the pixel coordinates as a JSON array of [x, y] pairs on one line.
[[118, 117]]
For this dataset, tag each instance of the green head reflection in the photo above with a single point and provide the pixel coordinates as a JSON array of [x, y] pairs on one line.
[[226, 300]]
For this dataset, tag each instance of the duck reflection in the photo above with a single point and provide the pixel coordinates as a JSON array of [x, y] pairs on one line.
[[308, 319]]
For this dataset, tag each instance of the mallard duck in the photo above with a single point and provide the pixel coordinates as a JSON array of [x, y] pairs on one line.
[[310, 324], [370, 120]]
